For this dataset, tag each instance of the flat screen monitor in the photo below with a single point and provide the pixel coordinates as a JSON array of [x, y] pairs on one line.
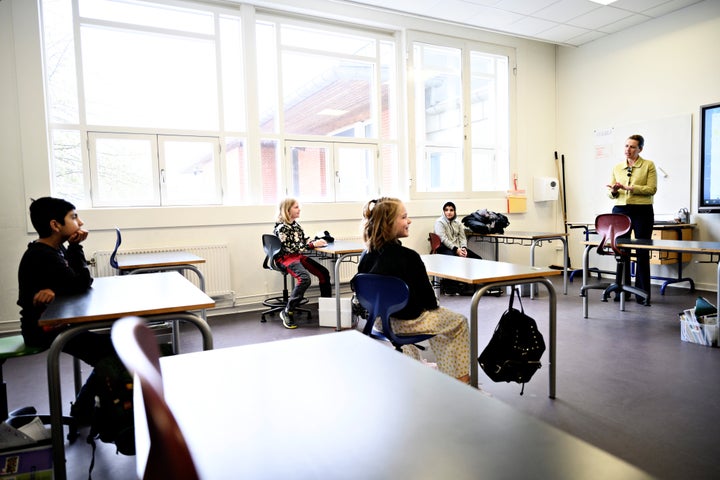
[[709, 159]]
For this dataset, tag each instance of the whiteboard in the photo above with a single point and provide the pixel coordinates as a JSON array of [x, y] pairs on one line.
[[668, 143]]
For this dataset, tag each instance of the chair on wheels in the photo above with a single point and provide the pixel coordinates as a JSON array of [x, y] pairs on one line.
[[272, 247], [113, 256], [381, 296], [14, 346], [611, 226], [168, 455]]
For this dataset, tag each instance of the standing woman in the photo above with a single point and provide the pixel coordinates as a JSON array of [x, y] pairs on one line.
[[632, 186], [294, 243], [385, 222]]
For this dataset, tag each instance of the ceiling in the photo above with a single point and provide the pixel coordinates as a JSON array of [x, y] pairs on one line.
[[563, 22]]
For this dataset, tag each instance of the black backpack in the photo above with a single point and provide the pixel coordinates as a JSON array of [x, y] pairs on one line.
[[514, 351], [112, 418]]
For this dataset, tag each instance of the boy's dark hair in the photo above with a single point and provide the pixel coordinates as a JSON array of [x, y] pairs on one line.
[[45, 209]]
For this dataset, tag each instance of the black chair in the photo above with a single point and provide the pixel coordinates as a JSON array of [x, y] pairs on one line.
[[381, 296], [272, 247], [113, 256], [168, 455], [13, 346], [612, 226]]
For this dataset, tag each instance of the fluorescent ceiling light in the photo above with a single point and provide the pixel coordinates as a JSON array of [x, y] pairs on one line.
[[604, 2]]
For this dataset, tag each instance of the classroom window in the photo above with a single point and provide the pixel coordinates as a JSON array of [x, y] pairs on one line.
[[148, 105], [461, 103]]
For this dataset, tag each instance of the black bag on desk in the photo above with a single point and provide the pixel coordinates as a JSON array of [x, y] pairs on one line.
[[514, 351]]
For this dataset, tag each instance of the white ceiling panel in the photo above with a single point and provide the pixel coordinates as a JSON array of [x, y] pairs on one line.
[[565, 22]]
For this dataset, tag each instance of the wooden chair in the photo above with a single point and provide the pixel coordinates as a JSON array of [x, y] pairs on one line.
[[272, 247], [611, 226], [169, 455], [381, 296]]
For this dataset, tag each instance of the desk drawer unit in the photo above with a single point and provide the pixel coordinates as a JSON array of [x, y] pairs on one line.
[[666, 258]]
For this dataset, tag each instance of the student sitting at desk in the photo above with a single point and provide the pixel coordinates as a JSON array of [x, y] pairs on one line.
[[300, 266], [453, 242], [385, 223], [49, 269]]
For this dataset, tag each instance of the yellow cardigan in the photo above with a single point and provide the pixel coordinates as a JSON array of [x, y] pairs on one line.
[[643, 178]]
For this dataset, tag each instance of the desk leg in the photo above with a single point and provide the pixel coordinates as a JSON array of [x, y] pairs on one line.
[[53, 374], [566, 262], [585, 276], [552, 320], [338, 262]]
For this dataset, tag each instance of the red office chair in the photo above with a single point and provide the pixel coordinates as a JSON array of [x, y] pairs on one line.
[[611, 226], [435, 242], [381, 296], [169, 455]]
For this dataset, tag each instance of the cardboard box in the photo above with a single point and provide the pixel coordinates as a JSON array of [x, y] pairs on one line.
[[32, 462], [701, 330], [327, 307]]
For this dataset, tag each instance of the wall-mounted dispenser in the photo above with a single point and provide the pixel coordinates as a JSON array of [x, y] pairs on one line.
[[546, 189]]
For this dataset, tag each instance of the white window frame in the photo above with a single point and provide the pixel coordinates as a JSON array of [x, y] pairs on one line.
[[418, 163]]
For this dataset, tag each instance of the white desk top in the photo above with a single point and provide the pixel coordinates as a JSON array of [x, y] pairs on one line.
[[344, 406]]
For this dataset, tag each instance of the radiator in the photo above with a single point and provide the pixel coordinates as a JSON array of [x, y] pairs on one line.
[[348, 268], [216, 268]]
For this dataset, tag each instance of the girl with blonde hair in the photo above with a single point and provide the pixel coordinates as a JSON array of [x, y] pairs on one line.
[[385, 222]]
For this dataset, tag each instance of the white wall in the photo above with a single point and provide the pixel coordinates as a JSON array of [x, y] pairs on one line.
[[23, 151], [660, 69]]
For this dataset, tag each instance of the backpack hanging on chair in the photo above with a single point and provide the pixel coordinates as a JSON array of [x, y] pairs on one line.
[[514, 351]]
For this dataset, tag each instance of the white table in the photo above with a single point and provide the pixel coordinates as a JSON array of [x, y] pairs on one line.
[[345, 406], [342, 251], [489, 274], [156, 296]]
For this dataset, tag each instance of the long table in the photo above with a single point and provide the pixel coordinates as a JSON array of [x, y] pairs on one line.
[[531, 239], [489, 274], [710, 249], [160, 296], [344, 406], [342, 251]]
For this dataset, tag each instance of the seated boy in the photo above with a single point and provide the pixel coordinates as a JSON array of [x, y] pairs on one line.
[[49, 269]]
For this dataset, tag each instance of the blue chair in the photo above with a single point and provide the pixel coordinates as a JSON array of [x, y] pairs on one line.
[[381, 296], [113, 256]]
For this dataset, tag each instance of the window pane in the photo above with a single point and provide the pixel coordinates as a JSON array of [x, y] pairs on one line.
[[233, 77], [143, 80], [189, 169], [267, 77], [270, 159], [356, 172], [442, 171], [236, 170], [59, 50], [311, 174], [311, 39], [147, 14], [390, 171], [67, 166], [489, 121], [388, 91], [326, 96], [126, 171]]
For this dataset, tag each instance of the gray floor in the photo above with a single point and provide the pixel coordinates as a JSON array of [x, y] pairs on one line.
[[625, 381]]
